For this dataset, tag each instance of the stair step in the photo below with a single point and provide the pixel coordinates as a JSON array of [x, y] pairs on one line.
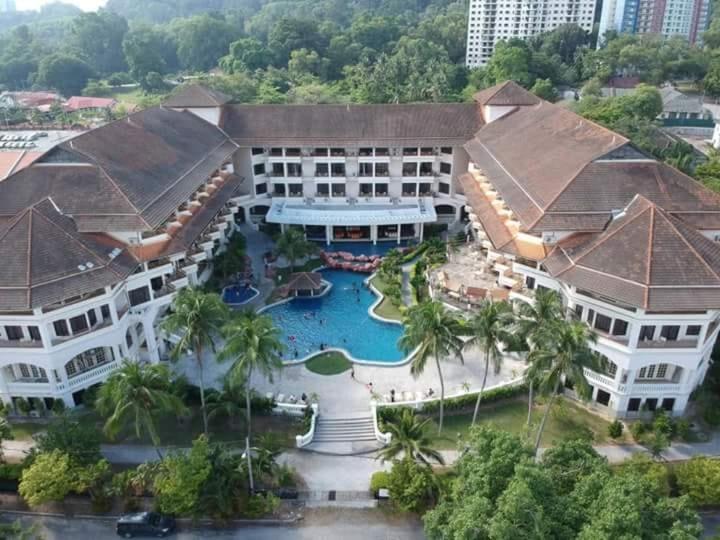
[[345, 420], [319, 438], [343, 428]]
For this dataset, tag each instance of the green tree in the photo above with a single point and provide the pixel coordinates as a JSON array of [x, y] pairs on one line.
[[228, 403], [432, 332], [699, 479], [143, 49], [98, 36], [197, 318], [290, 34], [411, 438], [544, 89], [134, 395], [246, 54], [565, 357], [195, 49], [80, 441], [489, 331], [568, 462], [412, 486], [292, 245], [252, 343], [67, 74], [49, 478], [711, 82], [534, 323], [510, 61], [180, 480]]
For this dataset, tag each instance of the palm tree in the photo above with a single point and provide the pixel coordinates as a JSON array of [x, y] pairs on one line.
[[411, 437], [228, 402], [566, 355], [293, 246], [534, 322], [134, 394], [489, 331], [253, 343], [196, 317], [432, 332]]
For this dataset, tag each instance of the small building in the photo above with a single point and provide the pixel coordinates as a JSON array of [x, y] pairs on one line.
[[91, 104], [28, 100], [304, 284], [684, 110]]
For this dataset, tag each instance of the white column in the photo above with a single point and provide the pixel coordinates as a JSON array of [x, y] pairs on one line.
[[328, 234], [282, 227], [422, 231], [399, 230], [373, 234], [151, 340]]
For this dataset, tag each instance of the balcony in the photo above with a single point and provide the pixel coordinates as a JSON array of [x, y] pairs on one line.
[[668, 344], [90, 376], [20, 344], [98, 326], [597, 378], [655, 388]]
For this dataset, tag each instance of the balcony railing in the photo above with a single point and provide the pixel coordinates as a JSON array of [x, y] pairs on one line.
[[668, 344], [20, 344], [98, 326]]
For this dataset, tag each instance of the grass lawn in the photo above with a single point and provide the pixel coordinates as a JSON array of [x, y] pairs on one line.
[[566, 421], [386, 308], [23, 431], [329, 363], [175, 433]]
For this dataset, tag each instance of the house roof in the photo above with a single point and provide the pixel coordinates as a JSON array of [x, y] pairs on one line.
[[127, 175], [678, 102], [506, 94], [196, 96], [429, 123], [646, 258], [46, 260], [77, 103], [304, 281]]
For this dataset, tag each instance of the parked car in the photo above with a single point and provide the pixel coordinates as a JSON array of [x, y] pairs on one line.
[[145, 524]]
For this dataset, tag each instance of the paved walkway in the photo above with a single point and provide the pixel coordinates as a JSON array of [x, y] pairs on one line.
[[257, 244]]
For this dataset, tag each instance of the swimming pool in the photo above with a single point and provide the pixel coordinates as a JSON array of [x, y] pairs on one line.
[[237, 295], [339, 319]]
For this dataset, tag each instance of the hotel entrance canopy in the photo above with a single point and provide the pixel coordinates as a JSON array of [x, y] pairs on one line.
[[358, 214]]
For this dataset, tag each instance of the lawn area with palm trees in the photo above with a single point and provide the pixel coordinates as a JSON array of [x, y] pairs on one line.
[[566, 421], [385, 308]]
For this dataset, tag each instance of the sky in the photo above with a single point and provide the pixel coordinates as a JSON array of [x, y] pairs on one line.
[[87, 5]]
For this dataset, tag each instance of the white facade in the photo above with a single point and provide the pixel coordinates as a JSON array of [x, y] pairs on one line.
[[492, 21]]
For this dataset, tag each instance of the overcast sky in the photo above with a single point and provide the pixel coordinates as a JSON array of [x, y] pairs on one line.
[[87, 5]]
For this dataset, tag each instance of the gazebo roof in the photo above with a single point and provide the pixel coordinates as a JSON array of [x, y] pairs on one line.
[[304, 281]]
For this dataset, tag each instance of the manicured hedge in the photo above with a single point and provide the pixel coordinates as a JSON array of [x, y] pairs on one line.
[[468, 400]]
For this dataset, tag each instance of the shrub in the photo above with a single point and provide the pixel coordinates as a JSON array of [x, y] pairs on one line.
[[637, 430], [11, 471], [468, 400], [379, 480], [261, 505], [682, 428], [663, 423], [58, 406], [699, 479], [285, 476], [22, 405], [656, 473], [615, 429], [90, 396], [412, 486]]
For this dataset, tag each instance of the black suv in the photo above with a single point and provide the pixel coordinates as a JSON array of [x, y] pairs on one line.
[[145, 524]]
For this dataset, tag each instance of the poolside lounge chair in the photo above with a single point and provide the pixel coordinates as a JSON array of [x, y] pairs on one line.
[[280, 398]]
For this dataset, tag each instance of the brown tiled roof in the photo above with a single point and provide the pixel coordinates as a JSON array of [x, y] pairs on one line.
[[304, 281], [196, 96], [643, 258], [46, 260], [498, 234], [147, 165], [506, 94], [430, 124], [532, 154]]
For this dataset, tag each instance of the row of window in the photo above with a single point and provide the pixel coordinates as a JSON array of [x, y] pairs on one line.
[[85, 361], [338, 169], [80, 323], [340, 152], [338, 190]]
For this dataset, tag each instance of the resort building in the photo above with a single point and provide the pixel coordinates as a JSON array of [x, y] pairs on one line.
[[98, 233], [669, 18], [492, 21]]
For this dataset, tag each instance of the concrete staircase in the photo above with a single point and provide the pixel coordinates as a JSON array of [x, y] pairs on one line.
[[347, 434]]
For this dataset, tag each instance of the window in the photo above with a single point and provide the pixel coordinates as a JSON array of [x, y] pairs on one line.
[[294, 169], [261, 189], [633, 405], [650, 373], [445, 168], [320, 152], [338, 169], [409, 190], [651, 404], [337, 152], [661, 371], [34, 332], [78, 324], [128, 339], [578, 311], [670, 333], [61, 328], [24, 371], [409, 169], [338, 190], [446, 150], [426, 169], [382, 169], [322, 169], [366, 190], [257, 151], [647, 333], [92, 317], [278, 169], [105, 311], [619, 327], [425, 188], [323, 190], [444, 187], [602, 397], [70, 368], [381, 190], [365, 152], [279, 190], [366, 169], [693, 330], [259, 168], [590, 316], [382, 152], [292, 152], [156, 283], [13, 333], [602, 322], [426, 151], [410, 151], [276, 152], [295, 190], [139, 296], [668, 404]]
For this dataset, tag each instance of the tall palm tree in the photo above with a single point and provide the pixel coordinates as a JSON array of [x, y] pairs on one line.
[[293, 246], [535, 322], [253, 343], [489, 330], [197, 318], [565, 356], [134, 394], [433, 332], [411, 437]]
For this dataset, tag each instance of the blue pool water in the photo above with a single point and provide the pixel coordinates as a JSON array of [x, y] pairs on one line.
[[337, 319], [238, 294], [362, 248]]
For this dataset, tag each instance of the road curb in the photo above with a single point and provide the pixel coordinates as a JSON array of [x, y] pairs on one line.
[[183, 521]]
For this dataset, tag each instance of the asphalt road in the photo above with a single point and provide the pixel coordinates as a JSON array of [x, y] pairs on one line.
[[325, 524]]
